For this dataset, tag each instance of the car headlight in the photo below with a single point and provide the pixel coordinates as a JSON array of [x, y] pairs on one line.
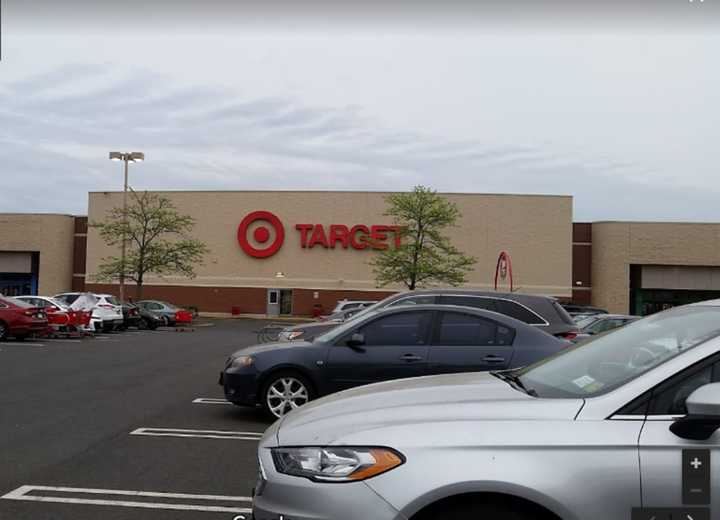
[[242, 361], [335, 464]]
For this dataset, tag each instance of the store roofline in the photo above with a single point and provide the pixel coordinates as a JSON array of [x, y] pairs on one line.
[[344, 192]]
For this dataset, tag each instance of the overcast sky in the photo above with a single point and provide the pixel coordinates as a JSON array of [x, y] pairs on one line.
[[617, 105]]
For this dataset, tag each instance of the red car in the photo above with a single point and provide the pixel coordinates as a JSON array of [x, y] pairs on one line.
[[20, 320]]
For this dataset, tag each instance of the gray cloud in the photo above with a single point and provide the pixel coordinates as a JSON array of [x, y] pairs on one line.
[[54, 144]]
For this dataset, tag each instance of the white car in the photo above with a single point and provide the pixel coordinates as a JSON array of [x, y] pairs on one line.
[[106, 309], [346, 305]]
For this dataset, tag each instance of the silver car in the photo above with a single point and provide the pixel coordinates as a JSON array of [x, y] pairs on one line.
[[608, 430]]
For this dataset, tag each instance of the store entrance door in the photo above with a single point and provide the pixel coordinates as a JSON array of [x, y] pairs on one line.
[[279, 302], [273, 302]]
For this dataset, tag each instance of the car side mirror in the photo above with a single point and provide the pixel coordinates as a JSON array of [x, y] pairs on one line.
[[703, 418], [356, 341]]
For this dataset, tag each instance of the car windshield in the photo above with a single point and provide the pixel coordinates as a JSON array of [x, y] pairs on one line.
[[335, 332], [612, 360], [588, 320]]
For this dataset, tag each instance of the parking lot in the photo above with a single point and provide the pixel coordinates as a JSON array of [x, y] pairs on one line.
[[129, 425]]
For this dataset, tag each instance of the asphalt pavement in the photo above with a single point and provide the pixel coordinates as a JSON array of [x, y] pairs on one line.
[[126, 426]]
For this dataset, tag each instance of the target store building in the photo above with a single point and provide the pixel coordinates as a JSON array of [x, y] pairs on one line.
[[286, 253]]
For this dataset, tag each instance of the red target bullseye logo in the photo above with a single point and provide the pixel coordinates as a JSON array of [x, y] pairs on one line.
[[261, 234]]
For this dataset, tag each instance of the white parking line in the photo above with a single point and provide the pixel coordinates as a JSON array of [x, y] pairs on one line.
[[200, 434], [210, 400], [21, 493], [22, 344]]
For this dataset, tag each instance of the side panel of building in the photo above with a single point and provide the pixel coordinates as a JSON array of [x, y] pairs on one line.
[[620, 248], [49, 238], [535, 230]]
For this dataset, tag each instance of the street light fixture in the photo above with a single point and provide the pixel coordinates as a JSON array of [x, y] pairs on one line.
[[126, 158]]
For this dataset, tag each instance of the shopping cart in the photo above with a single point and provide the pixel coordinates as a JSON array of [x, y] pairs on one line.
[[184, 321]]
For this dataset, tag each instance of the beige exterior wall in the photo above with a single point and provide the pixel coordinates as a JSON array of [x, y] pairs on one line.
[[51, 236], [617, 245], [535, 230]]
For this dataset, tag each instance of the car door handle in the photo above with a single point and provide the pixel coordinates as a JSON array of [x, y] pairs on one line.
[[494, 359], [411, 357]]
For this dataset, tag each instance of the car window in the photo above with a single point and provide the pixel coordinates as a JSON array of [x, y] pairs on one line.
[[519, 312], [458, 329], [17, 303], [609, 361], [112, 300], [68, 298], [670, 399], [400, 329], [585, 322], [603, 325], [154, 306], [470, 301], [351, 305], [414, 300]]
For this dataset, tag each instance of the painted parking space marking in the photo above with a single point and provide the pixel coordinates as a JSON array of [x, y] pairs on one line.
[[114, 497], [210, 400], [22, 344], [199, 434]]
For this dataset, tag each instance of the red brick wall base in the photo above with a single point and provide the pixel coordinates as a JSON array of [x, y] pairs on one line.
[[248, 300]]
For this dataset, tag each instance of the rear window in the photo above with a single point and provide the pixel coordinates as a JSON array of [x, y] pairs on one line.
[[68, 298], [112, 300], [519, 312], [564, 316]]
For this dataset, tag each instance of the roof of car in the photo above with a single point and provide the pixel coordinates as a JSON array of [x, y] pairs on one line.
[[476, 292], [605, 316]]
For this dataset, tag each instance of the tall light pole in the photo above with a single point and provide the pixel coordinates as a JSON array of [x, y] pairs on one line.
[[126, 158]]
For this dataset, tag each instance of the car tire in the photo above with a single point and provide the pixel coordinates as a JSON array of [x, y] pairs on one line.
[[284, 391], [3, 330], [502, 510]]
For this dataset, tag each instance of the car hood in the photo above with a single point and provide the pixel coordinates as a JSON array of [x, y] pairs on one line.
[[453, 398], [265, 347], [316, 326]]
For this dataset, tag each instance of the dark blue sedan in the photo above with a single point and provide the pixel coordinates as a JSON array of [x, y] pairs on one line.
[[393, 343]]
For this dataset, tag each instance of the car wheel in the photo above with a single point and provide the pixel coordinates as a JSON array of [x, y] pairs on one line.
[[504, 510], [3, 330], [284, 392]]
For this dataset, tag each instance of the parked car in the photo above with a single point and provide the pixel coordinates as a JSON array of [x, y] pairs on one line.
[[61, 318], [21, 320], [166, 310], [384, 344], [346, 305], [131, 315], [539, 311], [148, 319], [106, 309], [599, 323], [599, 431]]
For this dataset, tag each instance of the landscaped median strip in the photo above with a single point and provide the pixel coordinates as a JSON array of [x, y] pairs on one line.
[[202, 434], [117, 497], [210, 400]]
